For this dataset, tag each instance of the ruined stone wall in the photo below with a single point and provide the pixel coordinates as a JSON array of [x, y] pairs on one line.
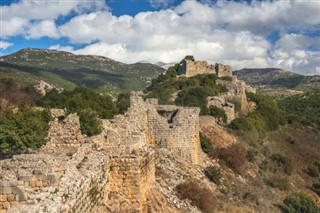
[[223, 70], [190, 68], [77, 184], [131, 177], [64, 133], [179, 132]]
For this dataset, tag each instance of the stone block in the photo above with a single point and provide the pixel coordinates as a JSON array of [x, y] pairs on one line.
[[38, 183], [10, 197], [25, 178], [21, 197], [6, 205], [3, 198], [7, 190]]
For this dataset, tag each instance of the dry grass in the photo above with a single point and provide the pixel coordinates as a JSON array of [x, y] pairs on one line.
[[198, 194]]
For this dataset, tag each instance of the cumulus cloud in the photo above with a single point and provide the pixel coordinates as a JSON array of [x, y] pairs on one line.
[[42, 28], [230, 32], [160, 3], [17, 17], [4, 45]]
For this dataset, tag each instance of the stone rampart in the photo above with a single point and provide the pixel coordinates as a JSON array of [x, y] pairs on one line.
[[131, 177], [189, 68]]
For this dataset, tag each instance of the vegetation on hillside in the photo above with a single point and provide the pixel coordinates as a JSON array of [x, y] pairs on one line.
[[14, 95], [303, 108], [267, 116], [191, 91], [63, 69]]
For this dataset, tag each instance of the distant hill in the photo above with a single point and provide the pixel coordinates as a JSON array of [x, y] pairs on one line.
[[278, 78], [64, 69]]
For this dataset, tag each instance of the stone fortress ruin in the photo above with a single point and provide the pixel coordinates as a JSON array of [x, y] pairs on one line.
[[189, 67], [237, 89], [113, 171]]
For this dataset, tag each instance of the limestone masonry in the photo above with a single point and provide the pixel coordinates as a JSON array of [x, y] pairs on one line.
[[189, 67], [111, 172]]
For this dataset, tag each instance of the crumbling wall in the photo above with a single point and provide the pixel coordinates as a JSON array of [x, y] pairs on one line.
[[223, 70], [64, 133], [179, 132], [131, 177], [76, 184], [191, 68]]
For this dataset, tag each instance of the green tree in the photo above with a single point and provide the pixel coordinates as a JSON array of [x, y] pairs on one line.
[[24, 129], [300, 203], [90, 124]]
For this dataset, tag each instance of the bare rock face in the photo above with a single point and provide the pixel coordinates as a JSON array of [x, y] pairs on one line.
[[44, 87], [221, 103], [236, 93]]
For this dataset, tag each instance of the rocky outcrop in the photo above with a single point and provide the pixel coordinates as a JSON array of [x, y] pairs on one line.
[[221, 103], [236, 93]]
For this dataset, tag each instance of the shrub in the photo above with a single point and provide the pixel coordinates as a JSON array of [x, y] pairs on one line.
[[280, 183], [283, 163], [300, 203], [198, 194], [90, 124], [252, 155], [123, 102], [218, 113], [25, 129], [206, 144], [213, 174], [241, 124], [80, 99], [314, 169], [316, 188], [234, 156], [226, 78]]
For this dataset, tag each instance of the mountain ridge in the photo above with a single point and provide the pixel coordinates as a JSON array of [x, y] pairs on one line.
[[68, 70]]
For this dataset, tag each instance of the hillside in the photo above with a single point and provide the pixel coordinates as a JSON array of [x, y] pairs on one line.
[[64, 69], [278, 78]]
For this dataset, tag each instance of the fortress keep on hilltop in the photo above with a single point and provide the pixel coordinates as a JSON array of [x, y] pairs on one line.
[[189, 67]]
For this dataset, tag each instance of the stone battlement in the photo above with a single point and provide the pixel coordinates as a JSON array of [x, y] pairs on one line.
[[189, 68]]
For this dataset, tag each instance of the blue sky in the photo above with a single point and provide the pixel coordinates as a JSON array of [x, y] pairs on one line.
[[284, 34]]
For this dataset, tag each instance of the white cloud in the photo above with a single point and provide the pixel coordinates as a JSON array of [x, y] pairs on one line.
[[42, 9], [42, 28], [160, 3], [229, 32], [5, 45], [13, 26], [61, 48], [17, 17]]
